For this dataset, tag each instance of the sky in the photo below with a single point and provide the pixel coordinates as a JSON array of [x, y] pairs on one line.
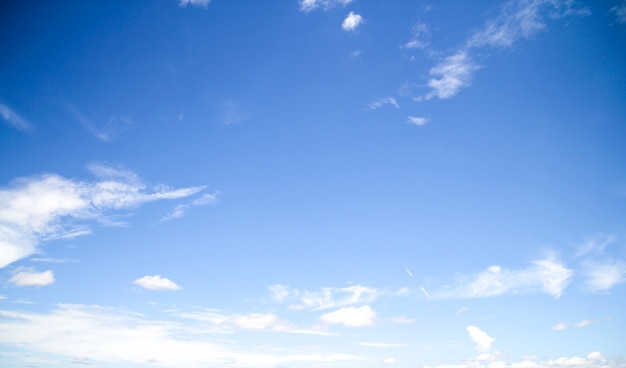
[[313, 183]]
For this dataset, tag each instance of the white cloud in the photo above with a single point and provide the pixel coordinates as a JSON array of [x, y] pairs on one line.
[[309, 5], [482, 340], [601, 277], [380, 345], [111, 335], [351, 316], [390, 361], [156, 282], [23, 276], [384, 101], [583, 323], [49, 206], [351, 22], [559, 326], [620, 12], [280, 293], [416, 120], [199, 3], [402, 320], [13, 119], [546, 275], [450, 76]]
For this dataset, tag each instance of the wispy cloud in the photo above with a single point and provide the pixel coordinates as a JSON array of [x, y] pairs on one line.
[[105, 132], [384, 101], [309, 5], [28, 276], [595, 245], [517, 19], [325, 298], [547, 275], [602, 276], [13, 119], [128, 338], [156, 282], [482, 340], [619, 11], [416, 120], [352, 22], [420, 37], [559, 326], [49, 206], [198, 3], [351, 316], [180, 210]]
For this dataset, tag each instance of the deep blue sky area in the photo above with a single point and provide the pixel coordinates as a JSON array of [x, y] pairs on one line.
[[313, 183]]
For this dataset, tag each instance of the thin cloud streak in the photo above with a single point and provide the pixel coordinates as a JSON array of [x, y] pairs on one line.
[[310, 5], [13, 119]]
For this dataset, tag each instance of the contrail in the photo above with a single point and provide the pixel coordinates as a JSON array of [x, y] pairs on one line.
[[425, 292], [407, 271]]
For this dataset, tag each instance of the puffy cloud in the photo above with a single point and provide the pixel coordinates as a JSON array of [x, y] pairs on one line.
[[352, 22], [482, 340], [13, 119], [199, 3], [156, 282], [546, 275], [309, 5], [49, 206], [351, 316], [23, 276]]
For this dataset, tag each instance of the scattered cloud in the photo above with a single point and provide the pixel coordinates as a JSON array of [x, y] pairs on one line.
[[417, 120], [482, 340], [563, 325], [352, 22], [384, 101], [129, 338], [49, 206], [619, 11], [390, 361], [583, 323], [27, 276], [13, 119], [198, 3], [602, 276], [559, 326], [156, 282], [595, 245], [548, 276], [309, 5], [351, 316]]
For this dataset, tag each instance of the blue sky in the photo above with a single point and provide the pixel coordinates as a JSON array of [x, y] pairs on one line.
[[313, 183]]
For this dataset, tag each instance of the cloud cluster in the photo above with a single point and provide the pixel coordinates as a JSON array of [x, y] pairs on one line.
[[325, 298], [351, 316], [49, 206]]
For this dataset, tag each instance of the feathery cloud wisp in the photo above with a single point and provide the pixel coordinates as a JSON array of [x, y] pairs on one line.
[[13, 119], [199, 3], [49, 206], [384, 101], [602, 276]]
